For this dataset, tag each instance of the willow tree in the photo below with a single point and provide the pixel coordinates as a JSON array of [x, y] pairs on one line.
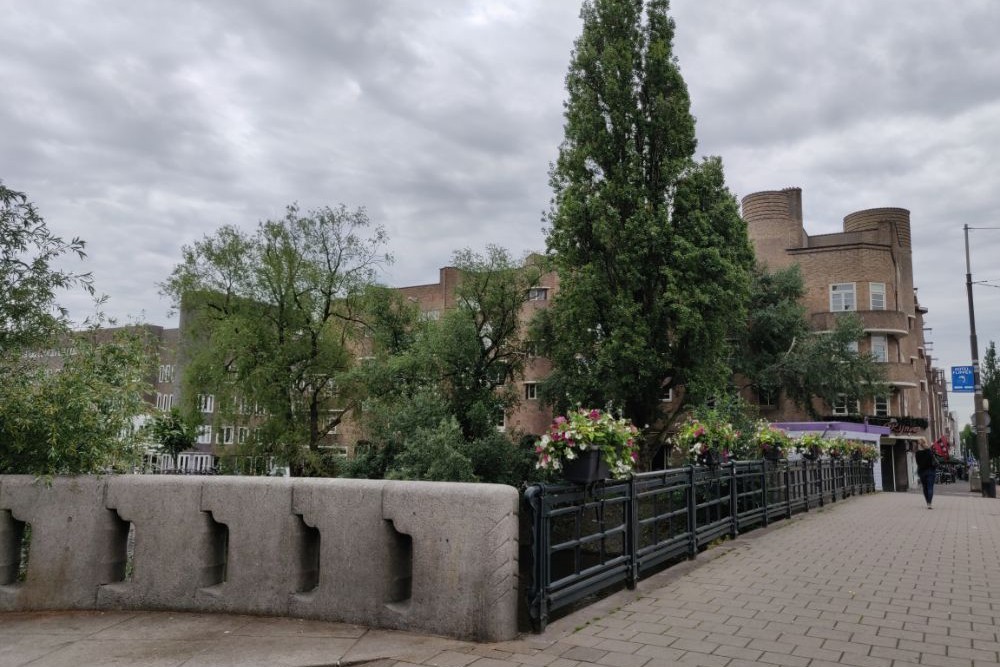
[[651, 251], [274, 317]]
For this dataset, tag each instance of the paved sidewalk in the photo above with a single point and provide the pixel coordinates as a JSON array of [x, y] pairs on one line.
[[875, 581]]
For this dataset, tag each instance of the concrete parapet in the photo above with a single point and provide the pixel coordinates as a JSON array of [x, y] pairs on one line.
[[464, 557], [178, 548], [268, 547], [357, 551], [428, 557], [76, 545]]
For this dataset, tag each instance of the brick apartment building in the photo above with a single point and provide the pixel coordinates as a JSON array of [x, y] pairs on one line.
[[868, 270], [530, 416]]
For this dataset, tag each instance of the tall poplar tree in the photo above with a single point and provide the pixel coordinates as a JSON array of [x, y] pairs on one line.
[[653, 257]]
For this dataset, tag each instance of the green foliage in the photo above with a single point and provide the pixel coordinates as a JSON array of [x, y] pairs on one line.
[[29, 315], [273, 316], [652, 254], [69, 402], [991, 392], [776, 351], [437, 388], [172, 432], [79, 418], [824, 365]]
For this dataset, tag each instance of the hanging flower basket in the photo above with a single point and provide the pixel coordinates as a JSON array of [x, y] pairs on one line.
[[587, 445], [587, 468]]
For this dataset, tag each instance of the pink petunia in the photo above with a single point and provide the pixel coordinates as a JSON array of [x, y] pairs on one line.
[[595, 414]]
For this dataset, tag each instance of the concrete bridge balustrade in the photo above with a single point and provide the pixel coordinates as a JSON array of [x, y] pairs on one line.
[[428, 557]]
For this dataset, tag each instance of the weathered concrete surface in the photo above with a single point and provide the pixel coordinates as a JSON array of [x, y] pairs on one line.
[[434, 557], [464, 557], [265, 563], [357, 551], [177, 545], [76, 544]]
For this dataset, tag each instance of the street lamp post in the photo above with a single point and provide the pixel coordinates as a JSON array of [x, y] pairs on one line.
[[982, 443]]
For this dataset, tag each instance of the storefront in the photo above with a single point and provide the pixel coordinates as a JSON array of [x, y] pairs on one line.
[[852, 431]]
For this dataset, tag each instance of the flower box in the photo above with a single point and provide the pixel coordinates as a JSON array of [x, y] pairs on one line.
[[586, 468]]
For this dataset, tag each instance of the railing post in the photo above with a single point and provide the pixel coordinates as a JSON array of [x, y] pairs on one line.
[[733, 500], [692, 514], [632, 535], [788, 492], [538, 610], [763, 490]]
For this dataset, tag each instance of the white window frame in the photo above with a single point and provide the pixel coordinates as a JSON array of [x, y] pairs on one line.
[[876, 290], [667, 397], [204, 434], [164, 402], [531, 391], [853, 346], [242, 435], [226, 435], [842, 407], [885, 411], [502, 423], [166, 373], [840, 302], [206, 403], [538, 294], [880, 348]]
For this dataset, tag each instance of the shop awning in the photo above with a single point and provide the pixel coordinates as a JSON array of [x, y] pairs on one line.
[[846, 430]]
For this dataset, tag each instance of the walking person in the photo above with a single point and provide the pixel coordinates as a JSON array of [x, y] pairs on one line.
[[926, 470]]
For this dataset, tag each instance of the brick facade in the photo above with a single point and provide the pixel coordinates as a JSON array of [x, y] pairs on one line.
[[866, 269]]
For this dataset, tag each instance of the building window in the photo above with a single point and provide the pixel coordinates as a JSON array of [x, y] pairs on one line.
[[531, 349], [767, 398], [206, 403], [667, 395], [164, 402], [538, 294], [205, 434], [880, 348], [881, 406], [166, 373], [530, 391], [226, 434], [842, 406], [242, 435], [842, 297], [501, 423], [877, 293], [431, 315], [853, 346]]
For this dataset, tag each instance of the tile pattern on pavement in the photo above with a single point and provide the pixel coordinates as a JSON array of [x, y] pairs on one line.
[[877, 581]]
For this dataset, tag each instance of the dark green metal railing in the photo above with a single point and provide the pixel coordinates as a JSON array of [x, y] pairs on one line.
[[586, 539]]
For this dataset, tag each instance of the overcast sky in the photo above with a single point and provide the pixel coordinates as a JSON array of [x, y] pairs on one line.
[[142, 126]]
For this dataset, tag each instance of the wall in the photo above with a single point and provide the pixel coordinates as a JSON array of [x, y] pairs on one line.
[[438, 558]]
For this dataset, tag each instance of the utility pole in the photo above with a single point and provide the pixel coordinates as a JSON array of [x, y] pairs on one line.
[[989, 486]]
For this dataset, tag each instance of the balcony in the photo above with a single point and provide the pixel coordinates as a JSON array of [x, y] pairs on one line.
[[902, 374], [891, 322]]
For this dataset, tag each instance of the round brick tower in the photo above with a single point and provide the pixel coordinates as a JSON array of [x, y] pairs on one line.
[[892, 227], [774, 223]]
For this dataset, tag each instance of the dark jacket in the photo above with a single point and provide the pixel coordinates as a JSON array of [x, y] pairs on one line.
[[925, 460]]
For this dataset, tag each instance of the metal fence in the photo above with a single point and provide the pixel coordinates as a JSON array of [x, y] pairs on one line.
[[585, 539]]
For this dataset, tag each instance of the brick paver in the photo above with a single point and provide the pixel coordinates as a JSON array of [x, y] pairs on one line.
[[875, 581]]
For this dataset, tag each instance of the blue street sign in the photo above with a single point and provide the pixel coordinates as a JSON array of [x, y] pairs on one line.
[[962, 380]]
